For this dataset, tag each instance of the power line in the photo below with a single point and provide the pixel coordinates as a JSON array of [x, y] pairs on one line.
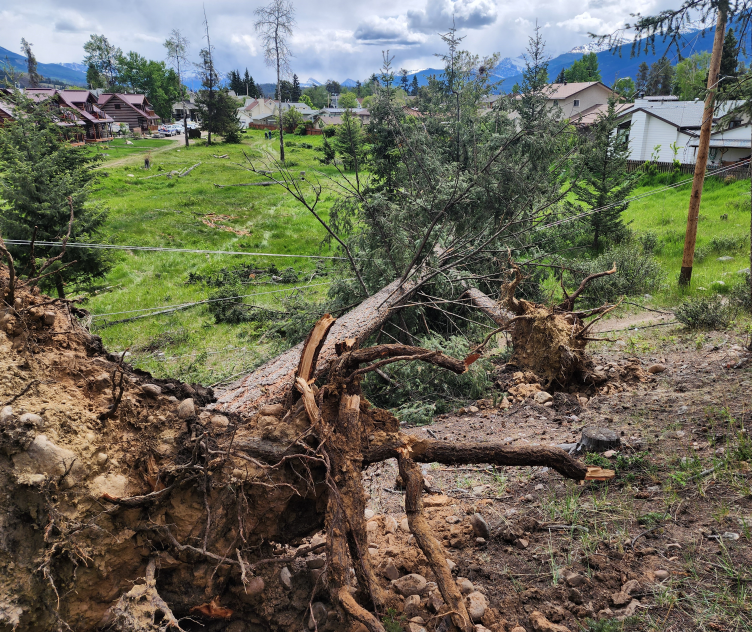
[[26, 242], [211, 300]]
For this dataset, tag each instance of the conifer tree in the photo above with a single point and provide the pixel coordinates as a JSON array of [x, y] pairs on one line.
[[295, 92], [31, 64], [414, 86], [641, 80], [604, 180]]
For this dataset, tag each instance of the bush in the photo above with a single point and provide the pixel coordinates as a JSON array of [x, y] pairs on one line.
[[720, 244], [300, 130], [329, 131], [233, 312], [419, 391], [637, 272], [705, 312], [740, 294]]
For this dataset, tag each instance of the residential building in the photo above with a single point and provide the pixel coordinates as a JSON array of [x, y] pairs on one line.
[[265, 111], [663, 129], [77, 109], [131, 109], [188, 106], [333, 116], [574, 99], [6, 112]]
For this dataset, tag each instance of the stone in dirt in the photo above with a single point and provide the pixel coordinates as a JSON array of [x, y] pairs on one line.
[[412, 584], [629, 611], [575, 596], [518, 628], [541, 624], [368, 514], [541, 397], [476, 603], [254, 587], [405, 525], [151, 390], [315, 562], [453, 519], [186, 409], [657, 368], [390, 525], [435, 601], [661, 574], [465, 585], [522, 543], [415, 627], [436, 501], [451, 565], [412, 605], [286, 577], [45, 457], [219, 422], [480, 526], [272, 410]]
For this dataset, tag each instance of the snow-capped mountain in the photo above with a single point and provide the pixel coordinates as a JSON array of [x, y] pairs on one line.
[[310, 83], [75, 66], [349, 83], [509, 66]]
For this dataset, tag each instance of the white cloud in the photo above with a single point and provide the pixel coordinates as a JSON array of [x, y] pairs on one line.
[[586, 23], [245, 40], [73, 22], [439, 14], [376, 29]]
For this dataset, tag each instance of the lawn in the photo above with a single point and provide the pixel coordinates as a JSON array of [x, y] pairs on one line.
[[190, 212], [723, 231], [119, 148]]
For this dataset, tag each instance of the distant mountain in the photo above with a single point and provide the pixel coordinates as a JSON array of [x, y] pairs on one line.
[[57, 72], [310, 83], [348, 83], [508, 67], [75, 66]]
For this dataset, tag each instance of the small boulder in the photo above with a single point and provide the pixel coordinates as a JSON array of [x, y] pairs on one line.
[[541, 397], [272, 410], [45, 457], [368, 514], [254, 587], [100, 458], [219, 422], [661, 574], [465, 585], [315, 562], [451, 565], [412, 605], [6, 414], [412, 626], [151, 390], [186, 409], [477, 604], [49, 318], [405, 526], [632, 586], [435, 601], [620, 599], [390, 571], [412, 584], [656, 368], [390, 525], [575, 596], [480, 526]]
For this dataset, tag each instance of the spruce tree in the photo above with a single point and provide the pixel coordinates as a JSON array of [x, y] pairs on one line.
[[604, 180], [247, 83], [560, 78], [729, 60], [41, 176], [296, 91], [641, 80], [414, 86], [404, 84]]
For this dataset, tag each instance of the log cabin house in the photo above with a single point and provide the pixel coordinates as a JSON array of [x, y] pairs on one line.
[[132, 109], [6, 112], [78, 112]]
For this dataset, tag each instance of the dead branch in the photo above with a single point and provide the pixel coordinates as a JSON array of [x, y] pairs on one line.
[[567, 304], [187, 171], [21, 394]]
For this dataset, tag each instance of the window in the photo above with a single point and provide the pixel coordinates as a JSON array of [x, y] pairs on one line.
[[576, 103], [734, 123], [117, 106], [556, 102]]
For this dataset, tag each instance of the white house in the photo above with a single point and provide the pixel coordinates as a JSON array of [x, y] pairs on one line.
[[661, 128], [266, 110]]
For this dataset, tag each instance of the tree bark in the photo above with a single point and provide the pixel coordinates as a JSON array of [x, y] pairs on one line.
[[272, 381]]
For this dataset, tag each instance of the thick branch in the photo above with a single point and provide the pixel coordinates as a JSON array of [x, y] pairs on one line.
[[451, 453], [568, 304]]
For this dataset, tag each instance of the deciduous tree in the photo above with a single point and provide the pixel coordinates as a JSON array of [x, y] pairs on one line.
[[31, 64]]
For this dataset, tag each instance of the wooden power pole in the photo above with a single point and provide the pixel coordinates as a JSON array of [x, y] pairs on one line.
[[701, 163]]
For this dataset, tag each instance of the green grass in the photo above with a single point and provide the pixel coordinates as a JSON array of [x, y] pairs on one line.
[[118, 148], [172, 213], [665, 215]]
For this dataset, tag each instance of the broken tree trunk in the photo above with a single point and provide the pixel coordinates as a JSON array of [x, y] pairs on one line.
[[271, 382]]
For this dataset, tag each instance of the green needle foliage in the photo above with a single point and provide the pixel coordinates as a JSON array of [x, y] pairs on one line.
[[41, 175]]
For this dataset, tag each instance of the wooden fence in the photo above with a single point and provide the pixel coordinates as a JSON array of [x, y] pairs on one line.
[[738, 173]]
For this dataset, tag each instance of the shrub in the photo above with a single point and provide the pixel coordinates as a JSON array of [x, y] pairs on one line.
[[300, 130], [740, 294], [233, 311], [705, 312], [637, 272], [329, 131], [650, 244]]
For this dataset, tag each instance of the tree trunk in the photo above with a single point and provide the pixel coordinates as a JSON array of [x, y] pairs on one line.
[[59, 286], [271, 382]]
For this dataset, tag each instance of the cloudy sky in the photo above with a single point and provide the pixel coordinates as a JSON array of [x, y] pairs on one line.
[[333, 39]]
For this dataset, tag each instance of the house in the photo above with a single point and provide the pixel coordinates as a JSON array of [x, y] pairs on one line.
[[265, 111], [333, 116], [132, 109], [76, 109], [662, 129], [580, 102], [6, 112], [187, 107]]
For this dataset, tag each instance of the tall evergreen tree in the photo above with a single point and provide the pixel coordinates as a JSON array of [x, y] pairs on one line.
[[560, 78], [641, 80], [31, 64], [247, 81], [358, 88], [729, 60], [414, 86], [41, 176], [660, 79], [295, 92], [236, 83], [604, 180], [404, 84]]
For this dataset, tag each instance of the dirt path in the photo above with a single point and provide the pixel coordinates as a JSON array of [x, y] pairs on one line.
[[178, 141]]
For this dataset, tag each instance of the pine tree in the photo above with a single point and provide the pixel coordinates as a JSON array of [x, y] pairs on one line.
[[404, 84], [247, 82], [358, 88], [41, 176], [414, 86], [729, 60], [604, 180], [641, 80], [296, 91], [560, 77]]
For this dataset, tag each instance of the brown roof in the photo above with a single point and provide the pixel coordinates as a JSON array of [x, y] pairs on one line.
[[131, 100], [6, 109], [71, 98], [590, 115], [566, 90]]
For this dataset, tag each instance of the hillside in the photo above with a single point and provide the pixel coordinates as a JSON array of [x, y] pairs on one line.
[[58, 72]]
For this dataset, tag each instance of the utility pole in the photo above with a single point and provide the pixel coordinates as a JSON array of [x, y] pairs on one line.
[[701, 164]]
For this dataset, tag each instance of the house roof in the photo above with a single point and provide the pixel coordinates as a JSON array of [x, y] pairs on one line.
[[685, 115], [6, 108], [70, 98], [725, 143], [590, 115], [560, 91], [131, 100]]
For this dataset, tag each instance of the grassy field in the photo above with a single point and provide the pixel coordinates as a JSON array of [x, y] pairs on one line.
[[119, 148], [723, 231], [191, 212]]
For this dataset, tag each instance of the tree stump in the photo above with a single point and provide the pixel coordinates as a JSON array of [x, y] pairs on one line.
[[598, 440]]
